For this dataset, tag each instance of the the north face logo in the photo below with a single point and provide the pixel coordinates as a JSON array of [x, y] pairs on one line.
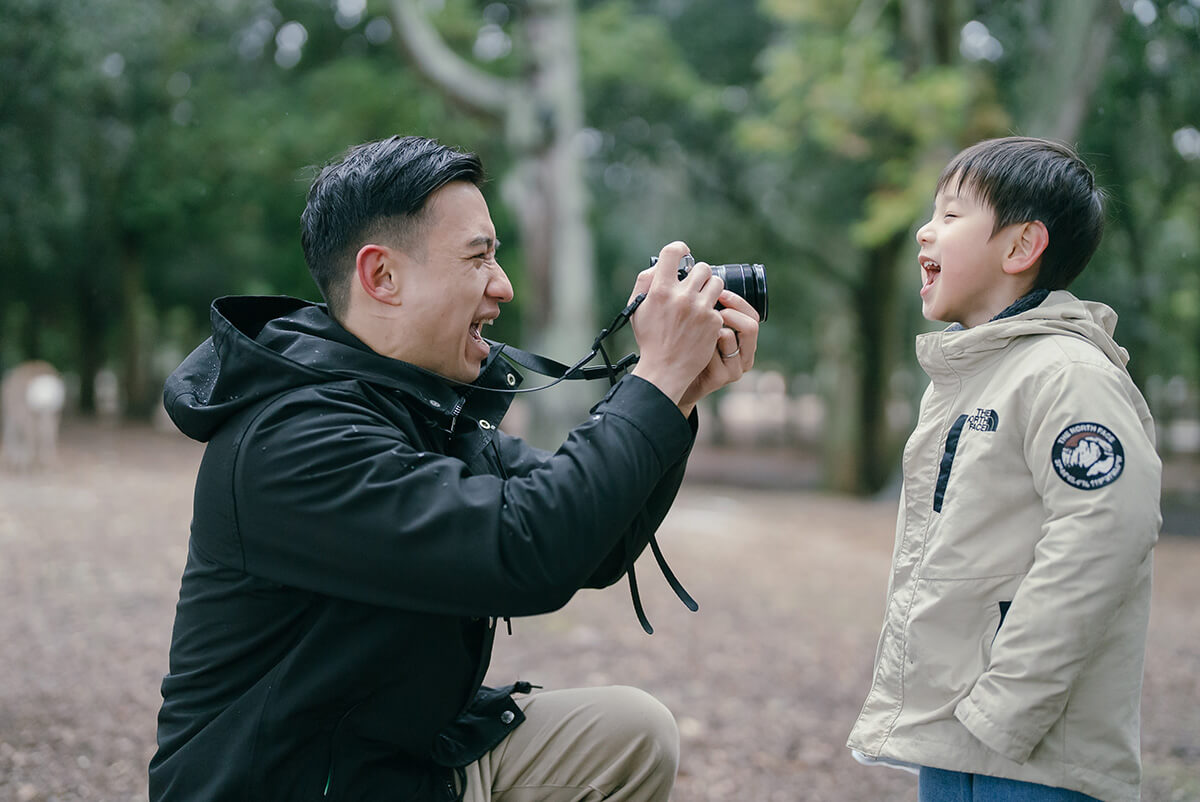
[[984, 420]]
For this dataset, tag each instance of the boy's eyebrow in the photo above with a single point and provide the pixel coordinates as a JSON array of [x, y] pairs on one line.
[[946, 200]]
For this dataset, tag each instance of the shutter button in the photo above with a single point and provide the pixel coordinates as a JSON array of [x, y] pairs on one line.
[[507, 717]]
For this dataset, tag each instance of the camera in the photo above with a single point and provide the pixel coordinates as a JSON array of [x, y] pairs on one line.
[[748, 281]]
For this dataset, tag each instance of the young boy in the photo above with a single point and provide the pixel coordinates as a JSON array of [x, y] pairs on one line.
[[1010, 663]]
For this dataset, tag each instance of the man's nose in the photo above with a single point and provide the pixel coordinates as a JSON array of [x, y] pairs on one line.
[[500, 287]]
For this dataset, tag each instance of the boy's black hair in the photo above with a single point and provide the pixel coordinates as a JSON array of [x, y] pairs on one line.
[[1025, 179], [376, 191]]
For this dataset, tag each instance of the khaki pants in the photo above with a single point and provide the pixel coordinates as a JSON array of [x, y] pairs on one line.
[[582, 745]]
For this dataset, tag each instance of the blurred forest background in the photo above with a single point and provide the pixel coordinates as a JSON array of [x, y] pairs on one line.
[[156, 154]]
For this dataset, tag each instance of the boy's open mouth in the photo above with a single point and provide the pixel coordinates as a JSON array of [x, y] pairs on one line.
[[930, 270]]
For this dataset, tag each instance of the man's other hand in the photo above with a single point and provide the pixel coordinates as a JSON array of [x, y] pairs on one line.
[[688, 347]]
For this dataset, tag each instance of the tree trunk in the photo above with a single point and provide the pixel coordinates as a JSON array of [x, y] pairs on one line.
[[877, 305], [1070, 48], [135, 334], [840, 380], [91, 350], [542, 116], [930, 31], [31, 334], [859, 421]]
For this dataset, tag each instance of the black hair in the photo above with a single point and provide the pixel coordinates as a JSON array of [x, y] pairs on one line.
[[376, 191], [1025, 179]]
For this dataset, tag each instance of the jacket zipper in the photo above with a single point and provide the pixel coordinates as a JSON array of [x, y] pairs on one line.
[[454, 413], [947, 462], [503, 475]]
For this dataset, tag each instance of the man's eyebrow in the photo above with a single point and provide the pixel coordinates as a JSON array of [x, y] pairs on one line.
[[484, 239]]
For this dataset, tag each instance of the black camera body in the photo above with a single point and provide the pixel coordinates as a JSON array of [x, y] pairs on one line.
[[748, 281]]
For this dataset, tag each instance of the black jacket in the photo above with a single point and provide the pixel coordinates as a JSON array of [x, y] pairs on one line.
[[359, 525]]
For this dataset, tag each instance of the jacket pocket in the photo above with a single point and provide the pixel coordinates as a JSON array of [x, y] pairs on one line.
[[485, 723], [1004, 605], [331, 791], [947, 462], [1003, 611]]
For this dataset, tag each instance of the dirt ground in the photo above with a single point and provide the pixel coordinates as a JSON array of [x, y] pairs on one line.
[[765, 681]]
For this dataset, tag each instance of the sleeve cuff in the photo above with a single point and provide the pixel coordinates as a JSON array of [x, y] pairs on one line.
[[653, 414], [1013, 746]]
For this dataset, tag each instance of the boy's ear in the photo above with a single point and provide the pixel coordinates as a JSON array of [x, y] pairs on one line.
[[377, 272], [1027, 244]]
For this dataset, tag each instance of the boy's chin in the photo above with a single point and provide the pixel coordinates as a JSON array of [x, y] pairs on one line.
[[933, 317]]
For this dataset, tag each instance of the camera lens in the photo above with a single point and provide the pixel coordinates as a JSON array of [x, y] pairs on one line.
[[748, 281]]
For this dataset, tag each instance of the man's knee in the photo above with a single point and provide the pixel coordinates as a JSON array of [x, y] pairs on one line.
[[636, 716], [615, 742]]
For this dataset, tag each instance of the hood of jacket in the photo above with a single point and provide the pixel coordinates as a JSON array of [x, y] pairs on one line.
[[1060, 313], [262, 346]]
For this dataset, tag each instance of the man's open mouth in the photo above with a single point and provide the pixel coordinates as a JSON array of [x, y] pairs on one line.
[[476, 328]]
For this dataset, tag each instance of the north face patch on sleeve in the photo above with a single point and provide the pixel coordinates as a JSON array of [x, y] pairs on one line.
[[1087, 456]]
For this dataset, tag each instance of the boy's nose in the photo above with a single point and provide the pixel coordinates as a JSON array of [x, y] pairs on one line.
[[924, 234]]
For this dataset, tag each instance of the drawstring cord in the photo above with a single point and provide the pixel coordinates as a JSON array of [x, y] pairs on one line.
[[613, 372], [458, 785]]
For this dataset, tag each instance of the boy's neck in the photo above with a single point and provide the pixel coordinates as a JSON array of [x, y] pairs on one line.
[[1030, 300]]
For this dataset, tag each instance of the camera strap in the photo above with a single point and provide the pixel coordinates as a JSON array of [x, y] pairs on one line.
[[559, 372], [611, 371]]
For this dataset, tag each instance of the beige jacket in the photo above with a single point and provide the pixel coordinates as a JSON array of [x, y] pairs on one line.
[[1017, 608]]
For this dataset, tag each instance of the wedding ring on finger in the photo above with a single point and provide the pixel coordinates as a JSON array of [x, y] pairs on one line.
[[736, 351]]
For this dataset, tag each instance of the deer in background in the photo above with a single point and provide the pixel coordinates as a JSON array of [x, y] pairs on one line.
[[31, 402]]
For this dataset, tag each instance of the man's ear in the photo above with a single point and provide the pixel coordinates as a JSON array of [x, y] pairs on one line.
[[1027, 244], [377, 272]]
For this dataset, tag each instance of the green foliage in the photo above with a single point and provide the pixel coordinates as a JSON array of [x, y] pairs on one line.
[[855, 104], [157, 154], [165, 135], [1148, 266]]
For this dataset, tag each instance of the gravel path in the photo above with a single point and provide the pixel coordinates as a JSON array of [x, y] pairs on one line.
[[764, 681]]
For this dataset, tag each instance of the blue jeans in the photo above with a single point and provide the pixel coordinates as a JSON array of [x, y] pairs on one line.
[[937, 785]]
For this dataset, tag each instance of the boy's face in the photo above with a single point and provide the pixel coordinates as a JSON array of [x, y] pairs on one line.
[[961, 262]]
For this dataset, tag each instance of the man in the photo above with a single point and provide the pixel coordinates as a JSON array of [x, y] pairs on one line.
[[360, 524]]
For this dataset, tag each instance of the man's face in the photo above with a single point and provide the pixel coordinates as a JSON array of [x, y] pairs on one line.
[[452, 284], [961, 262]]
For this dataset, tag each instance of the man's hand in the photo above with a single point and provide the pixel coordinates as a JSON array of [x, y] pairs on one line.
[[682, 336], [734, 355]]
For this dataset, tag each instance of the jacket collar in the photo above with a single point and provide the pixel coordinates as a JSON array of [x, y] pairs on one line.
[[262, 346]]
